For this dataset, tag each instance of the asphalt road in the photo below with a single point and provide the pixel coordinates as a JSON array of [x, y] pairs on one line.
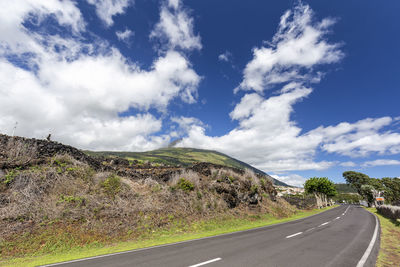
[[338, 237]]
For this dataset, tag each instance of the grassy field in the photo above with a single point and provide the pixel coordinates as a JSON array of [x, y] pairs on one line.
[[389, 253], [182, 156], [176, 234]]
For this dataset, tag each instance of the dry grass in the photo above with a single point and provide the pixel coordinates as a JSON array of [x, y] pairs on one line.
[[191, 176], [17, 152], [71, 200]]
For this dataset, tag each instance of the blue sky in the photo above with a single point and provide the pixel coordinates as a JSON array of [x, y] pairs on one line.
[[297, 89]]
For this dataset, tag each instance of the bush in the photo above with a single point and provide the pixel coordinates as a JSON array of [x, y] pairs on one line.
[[112, 185], [185, 185], [391, 212], [79, 201], [9, 177]]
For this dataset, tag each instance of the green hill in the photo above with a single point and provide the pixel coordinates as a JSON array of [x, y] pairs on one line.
[[183, 157]]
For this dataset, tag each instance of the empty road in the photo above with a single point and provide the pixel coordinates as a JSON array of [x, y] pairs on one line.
[[343, 236]]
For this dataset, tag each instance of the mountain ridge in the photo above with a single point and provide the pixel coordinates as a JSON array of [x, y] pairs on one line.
[[184, 156]]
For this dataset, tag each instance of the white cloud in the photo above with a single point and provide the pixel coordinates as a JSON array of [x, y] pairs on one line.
[[78, 91], [266, 137], [106, 9], [174, 3], [291, 179], [361, 138], [15, 38], [175, 27], [125, 35], [348, 164], [298, 46], [381, 162], [226, 56]]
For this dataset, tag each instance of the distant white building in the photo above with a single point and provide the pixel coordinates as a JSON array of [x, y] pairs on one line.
[[286, 190]]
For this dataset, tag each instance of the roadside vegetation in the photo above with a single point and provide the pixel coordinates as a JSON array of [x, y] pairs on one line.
[[56, 199], [322, 188], [370, 188], [180, 231], [389, 253]]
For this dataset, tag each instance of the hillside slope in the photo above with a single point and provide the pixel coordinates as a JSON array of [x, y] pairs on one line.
[[184, 157], [54, 197]]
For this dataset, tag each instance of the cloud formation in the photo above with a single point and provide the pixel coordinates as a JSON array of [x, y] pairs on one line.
[[381, 162], [226, 56], [125, 35], [80, 92], [106, 9], [266, 136], [175, 28], [298, 46], [291, 179]]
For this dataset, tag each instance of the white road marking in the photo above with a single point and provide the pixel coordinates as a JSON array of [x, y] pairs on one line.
[[370, 246], [299, 233], [206, 262], [310, 229], [337, 218], [342, 214], [346, 210], [325, 223], [179, 242]]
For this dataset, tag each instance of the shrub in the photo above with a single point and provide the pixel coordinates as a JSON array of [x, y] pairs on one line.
[[112, 185], [79, 201], [232, 179], [254, 189], [185, 185], [191, 176], [391, 212], [9, 177]]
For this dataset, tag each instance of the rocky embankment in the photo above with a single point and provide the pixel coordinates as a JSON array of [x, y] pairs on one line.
[[47, 188]]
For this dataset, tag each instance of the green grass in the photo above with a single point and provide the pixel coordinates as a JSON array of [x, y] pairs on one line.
[[389, 252], [175, 234]]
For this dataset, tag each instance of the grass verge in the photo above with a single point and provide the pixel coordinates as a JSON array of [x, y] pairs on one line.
[[389, 253], [194, 231]]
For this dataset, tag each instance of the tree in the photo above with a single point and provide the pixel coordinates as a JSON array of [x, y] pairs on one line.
[[391, 189], [322, 188], [356, 179], [369, 193]]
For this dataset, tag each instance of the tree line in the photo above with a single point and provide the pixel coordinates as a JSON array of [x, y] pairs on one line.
[[370, 188]]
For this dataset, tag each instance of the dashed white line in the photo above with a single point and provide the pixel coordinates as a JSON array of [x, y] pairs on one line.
[[310, 229], [345, 210], [322, 224], [205, 262], [299, 233], [337, 218]]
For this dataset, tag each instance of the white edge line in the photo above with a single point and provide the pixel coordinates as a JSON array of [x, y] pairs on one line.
[[371, 244], [299, 233], [181, 242], [206, 262]]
